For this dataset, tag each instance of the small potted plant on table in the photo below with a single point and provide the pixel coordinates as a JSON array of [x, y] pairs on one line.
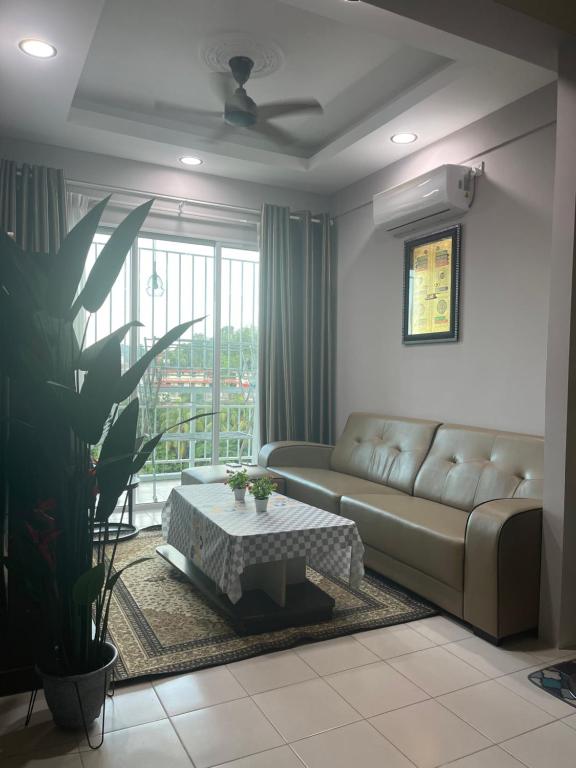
[[238, 481], [261, 489]]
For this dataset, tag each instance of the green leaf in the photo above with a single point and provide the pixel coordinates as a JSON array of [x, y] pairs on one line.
[[113, 476], [68, 264], [109, 263], [85, 421], [145, 453], [90, 354], [102, 376], [130, 379], [115, 576], [88, 585], [57, 339]]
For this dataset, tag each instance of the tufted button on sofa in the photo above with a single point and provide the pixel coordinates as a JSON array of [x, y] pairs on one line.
[[453, 513]]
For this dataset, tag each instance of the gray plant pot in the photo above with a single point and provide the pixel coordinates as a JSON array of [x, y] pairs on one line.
[[261, 505], [239, 494], [70, 696]]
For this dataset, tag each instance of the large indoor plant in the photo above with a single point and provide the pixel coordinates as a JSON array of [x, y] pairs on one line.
[[77, 403]]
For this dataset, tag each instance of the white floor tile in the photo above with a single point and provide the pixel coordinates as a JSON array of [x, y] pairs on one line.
[[495, 711], [41, 734], [545, 653], [488, 758], [375, 689], [225, 732], [198, 690], [437, 671], [490, 659], [518, 683], [571, 721], [145, 746], [130, 706], [441, 629], [272, 670], [335, 655], [394, 641], [553, 746], [282, 757], [305, 709], [429, 734], [357, 745], [44, 760]]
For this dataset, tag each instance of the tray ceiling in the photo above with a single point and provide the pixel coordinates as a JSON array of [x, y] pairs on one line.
[[373, 72]]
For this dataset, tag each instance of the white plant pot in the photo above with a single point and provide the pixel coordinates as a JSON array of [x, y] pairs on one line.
[[261, 505], [239, 494]]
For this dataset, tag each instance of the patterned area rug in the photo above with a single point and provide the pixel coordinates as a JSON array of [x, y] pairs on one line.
[[161, 625]]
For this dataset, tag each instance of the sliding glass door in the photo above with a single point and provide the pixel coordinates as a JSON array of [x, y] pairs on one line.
[[211, 368]]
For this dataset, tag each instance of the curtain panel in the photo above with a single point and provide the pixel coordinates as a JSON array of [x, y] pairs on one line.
[[297, 326], [33, 211], [33, 205]]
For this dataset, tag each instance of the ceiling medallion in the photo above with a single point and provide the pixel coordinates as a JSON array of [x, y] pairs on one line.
[[217, 52]]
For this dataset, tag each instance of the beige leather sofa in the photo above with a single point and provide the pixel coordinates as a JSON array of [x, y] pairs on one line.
[[453, 513]]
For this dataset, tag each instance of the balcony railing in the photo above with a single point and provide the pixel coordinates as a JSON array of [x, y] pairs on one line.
[[172, 392]]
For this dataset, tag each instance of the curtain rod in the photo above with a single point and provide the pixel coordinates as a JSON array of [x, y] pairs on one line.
[[173, 198], [192, 215]]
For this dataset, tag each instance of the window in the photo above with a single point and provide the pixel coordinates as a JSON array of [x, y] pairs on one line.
[[211, 368]]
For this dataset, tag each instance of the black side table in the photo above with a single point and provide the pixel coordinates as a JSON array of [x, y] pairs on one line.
[[121, 531]]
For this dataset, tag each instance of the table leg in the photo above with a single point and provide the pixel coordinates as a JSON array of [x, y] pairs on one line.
[[273, 578]]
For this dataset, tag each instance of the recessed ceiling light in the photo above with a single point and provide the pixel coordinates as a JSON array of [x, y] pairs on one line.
[[403, 138], [189, 160], [37, 48]]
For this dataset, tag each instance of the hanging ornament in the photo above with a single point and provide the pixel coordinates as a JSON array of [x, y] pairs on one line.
[[155, 284]]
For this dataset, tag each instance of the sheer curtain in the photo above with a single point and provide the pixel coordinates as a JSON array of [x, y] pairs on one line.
[[33, 205], [297, 326], [77, 206]]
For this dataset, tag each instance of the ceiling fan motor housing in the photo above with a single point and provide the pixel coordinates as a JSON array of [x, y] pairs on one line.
[[241, 67]]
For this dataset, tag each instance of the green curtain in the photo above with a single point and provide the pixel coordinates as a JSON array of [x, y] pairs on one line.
[[297, 326], [33, 205]]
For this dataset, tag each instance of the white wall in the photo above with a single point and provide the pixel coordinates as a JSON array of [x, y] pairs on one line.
[[495, 376]]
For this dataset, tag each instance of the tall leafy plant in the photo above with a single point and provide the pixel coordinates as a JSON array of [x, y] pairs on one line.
[[75, 398]]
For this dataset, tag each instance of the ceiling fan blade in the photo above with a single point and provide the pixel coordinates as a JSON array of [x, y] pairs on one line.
[[277, 135], [181, 113], [292, 107], [222, 84]]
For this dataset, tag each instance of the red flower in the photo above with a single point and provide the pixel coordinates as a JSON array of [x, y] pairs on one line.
[[44, 538]]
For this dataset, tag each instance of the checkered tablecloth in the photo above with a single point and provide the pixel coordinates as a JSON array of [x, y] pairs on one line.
[[223, 536]]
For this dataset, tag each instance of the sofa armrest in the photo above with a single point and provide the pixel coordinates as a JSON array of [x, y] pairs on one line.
[[293, 453], [502, 566]]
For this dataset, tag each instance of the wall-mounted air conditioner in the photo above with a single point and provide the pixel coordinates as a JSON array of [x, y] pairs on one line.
[[444, 193]]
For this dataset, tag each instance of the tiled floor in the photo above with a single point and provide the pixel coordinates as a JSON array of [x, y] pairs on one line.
[[426, 694]]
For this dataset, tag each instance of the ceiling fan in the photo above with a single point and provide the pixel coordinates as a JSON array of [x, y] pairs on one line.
[[240, 111]]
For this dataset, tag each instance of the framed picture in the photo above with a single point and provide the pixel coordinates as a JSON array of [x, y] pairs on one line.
[[432, 287]]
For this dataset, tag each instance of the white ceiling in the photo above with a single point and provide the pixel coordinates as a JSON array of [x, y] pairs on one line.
[[375, 73]]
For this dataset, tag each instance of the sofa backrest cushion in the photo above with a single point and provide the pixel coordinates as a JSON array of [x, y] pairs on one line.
[[383, 449], [467, 466]]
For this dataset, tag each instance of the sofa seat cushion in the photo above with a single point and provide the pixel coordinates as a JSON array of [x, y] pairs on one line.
[[323, 487], [422, 534]]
